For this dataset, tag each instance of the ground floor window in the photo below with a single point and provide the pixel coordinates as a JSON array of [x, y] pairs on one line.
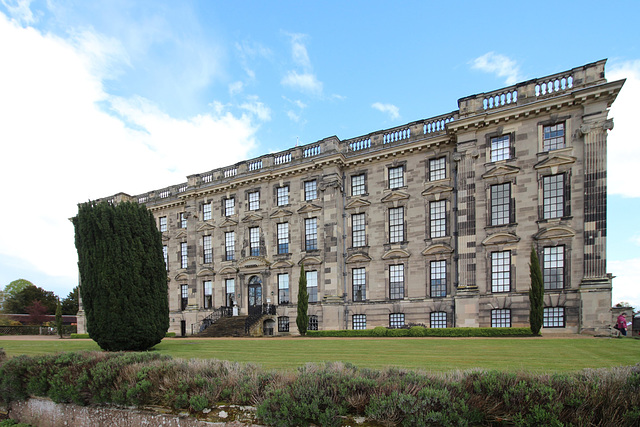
[[313, 323], [359, 321], [396, 320], [501, 318], [208, 293], [283, 324], [438, 319], [184, 296], [553, 317]]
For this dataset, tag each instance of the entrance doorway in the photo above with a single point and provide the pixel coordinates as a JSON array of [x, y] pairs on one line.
[[255, 295]]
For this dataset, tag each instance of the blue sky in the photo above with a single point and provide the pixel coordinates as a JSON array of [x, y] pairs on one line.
[[100, 97]]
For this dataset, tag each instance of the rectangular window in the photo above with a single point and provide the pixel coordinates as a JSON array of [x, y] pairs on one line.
[[313, 323], [254, 241], [553, 195], [501, 318], [357, 185], [283, 324], [183, 220], [184, 297], [358, 279], [359, 321], [208, 293], [358, 232], [283, 238], [254, 201], [283, 288], [310, 234], [229, 245], [165, 254], [396, 225], [437, 169], [310, 190], [207, 249], [553, 137], [501, 204], [500, 148], [163, 223], [283, 195], [438, 279], [396, 177], [312, 285], [206, 212], [438, 319], [396, 320], [230, 291], [553, 317], [501, 271], [396, 281], [553, 267], [229, 206], [438, 218], [184, 259]]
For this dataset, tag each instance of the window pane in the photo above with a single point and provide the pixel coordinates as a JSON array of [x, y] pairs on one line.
[[207, 249], [311, 234], [501, 271], [283, 238], [206, 211], [553, 189], [230, 245], [358, 279], [553, 267], [357, 185], [501, 204], [183, 255], [359, 321], [254, 241], [283, 288], [229, 206], [438, 319], [254, 201], [500, 148], [358, 230], [438, 279], [396, 225], [283, 324], [312, 285], [396, 178], [501, 318], [283, 196], [396, 281], [438, 222], [553, 137], [437, 169], [553, 317], [396, 320], [310, 190]]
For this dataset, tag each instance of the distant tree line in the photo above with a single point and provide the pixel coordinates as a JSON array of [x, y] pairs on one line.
[[23, 297]]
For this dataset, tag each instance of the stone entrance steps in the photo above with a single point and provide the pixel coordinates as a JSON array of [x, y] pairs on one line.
[[226, 327]]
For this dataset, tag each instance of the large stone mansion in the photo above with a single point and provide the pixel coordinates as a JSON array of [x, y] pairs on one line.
[[427, 223]]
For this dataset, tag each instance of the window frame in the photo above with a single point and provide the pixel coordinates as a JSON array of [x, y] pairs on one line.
[[184, 297], [254, 241], [358, 230], [182, 222], [229, 297], [184, 255], [553, 196], [358, 188], [498, 150], [282, 195], [253, 198], [229, 206], [359, 284], [501, 318], [313, 323], [550, 139], [165, 255], [282, 238], [395, 175], [359, 322], [162, 224], [207, 249], [396, 287], [501, 276], [554, 255], [312, 285], [437, 218], [229, 245], [438, 279], [283, 291], [396, 224], [437, 171], [554, 317], [310, 234], [396, 320], [208, 297], [206, 211], [502, 208], [283, 323], [310, 190], [438, 320]]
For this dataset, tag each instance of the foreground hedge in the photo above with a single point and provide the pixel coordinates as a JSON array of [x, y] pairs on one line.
[[420, 331], [323, 395]]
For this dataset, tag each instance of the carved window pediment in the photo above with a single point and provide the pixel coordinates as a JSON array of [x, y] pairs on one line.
[[228, 270], [396, 253], [181, 234], [165, 237], [309, 207], [252, 217], [555, 232], [357, 203], [500, 238], [207, 226], [358, 257], [282, 264], [181, 276], [281, 213], [500, 170], [205, 272], [310, 260], [555, 161], [437, 191], [253, 262], [395, 196], [437, 249], [228, 222]]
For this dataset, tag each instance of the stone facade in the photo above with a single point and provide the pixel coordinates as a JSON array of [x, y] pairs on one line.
[[430, 223]]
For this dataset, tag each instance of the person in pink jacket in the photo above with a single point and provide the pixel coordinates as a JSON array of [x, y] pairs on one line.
[[621, 325]]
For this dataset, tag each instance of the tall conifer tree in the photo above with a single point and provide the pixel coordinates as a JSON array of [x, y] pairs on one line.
[[536, 294], [302, 320], [123, 281]]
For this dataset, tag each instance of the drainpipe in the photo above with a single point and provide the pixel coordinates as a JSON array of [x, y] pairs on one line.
[[344, 253], [455, 235]]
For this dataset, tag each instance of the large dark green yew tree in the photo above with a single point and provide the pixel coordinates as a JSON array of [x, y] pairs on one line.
[[536, 294], [123, 279], [302, 320]]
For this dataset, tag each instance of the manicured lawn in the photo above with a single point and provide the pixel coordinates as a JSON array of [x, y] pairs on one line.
[[430, 354]]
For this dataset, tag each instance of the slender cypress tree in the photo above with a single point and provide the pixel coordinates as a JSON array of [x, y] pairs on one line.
[[123, 277], [59, 318], [536, 294], [302, 320]]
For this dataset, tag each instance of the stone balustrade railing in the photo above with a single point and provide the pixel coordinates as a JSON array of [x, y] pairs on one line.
[[434, 127]]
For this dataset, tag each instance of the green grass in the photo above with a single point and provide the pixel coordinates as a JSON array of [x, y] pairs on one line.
[[429, 354]]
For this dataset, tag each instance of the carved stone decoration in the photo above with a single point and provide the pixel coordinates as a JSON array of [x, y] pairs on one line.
[[555, 161], [396, 253], [282, 264], [181, 276], [437, 190], [252, 217], [437, 249], [310, 260], [555, 232], [207, 226], [181, 235], [357, 203], [252, 262], [228, 270], [358, 257], [206, 272], [309, 207], [394, 196], [500, 170], [500, 238], [228, 222], [281, 213]]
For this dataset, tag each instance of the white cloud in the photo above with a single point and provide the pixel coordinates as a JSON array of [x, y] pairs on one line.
[[500, 65], [299, 51], [623, 142], [60, 147], [235, 88], [305, 82], [389, 109], [293, 116], [257, 108], [625, 283], [20, 10]]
